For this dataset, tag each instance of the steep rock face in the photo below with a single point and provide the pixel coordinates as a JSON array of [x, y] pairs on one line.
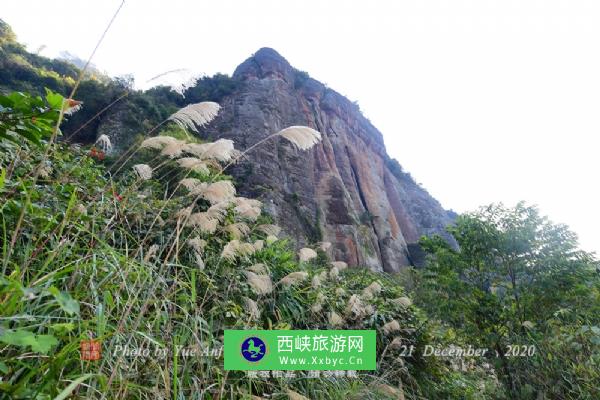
[[344, 190]]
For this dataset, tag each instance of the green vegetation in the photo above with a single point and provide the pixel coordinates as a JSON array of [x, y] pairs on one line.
[[106, 99], [92, 247], [151, 248], [519, 286]]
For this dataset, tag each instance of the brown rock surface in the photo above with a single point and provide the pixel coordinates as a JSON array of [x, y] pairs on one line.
[[346, 190]]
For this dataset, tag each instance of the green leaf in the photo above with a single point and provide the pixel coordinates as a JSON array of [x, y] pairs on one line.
[[2, 178], [18, 337], [72, 386], [43, 343], [55, 100], [65, 301], [3, 367], [62, 328], [22, 338]]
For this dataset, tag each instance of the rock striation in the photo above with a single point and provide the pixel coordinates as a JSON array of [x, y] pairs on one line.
[[346, 190]]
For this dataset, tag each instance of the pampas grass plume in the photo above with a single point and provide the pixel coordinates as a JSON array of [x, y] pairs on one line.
[[259, 283], [302, 137], [335, 320], [194, 115], [294, 278], [392, 326], [371, 291], [144, 171], [340, 265], [305, 254]]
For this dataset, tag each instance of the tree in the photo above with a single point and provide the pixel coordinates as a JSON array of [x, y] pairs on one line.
[[513, 272]]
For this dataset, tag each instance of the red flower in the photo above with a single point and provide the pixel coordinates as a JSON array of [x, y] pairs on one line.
[[118, 197], [97, 154]]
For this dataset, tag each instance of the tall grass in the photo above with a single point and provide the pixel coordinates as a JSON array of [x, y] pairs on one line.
[[94, 248]]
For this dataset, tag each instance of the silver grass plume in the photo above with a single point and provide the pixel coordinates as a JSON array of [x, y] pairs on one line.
[[259, 283], [259, 245], [318, 304], [302, 137], [269, 229], [174, 149], [357, 309], [204, 222], [295, 395], [335, 320], [104, 142], [271, 239], [396, 343], [197, 244], [257, 268], [305, 254], [237, 230], [159, 142], [392, 326], [151, 252], [334, 273], [402, 301], [247, 208], [221, 150], [371, 291], [236, 248], [218, 211], [318, 279], [215, 192], [144, 171], [194, 164], [251, 308], [293, 278], [324, 245], [340, 265], [195, 115], [190, 183]]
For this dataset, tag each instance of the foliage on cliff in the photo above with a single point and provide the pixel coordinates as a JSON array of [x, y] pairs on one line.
[[22, 70]]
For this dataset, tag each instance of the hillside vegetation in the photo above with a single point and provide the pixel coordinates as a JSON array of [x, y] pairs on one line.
[[151, 247]]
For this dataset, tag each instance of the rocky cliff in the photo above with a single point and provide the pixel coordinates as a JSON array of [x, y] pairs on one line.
[[346, 191]]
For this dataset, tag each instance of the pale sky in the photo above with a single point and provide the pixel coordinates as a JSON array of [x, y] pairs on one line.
[[482, 101]]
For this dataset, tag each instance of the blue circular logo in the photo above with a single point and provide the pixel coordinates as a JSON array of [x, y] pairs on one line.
[[253, 349]]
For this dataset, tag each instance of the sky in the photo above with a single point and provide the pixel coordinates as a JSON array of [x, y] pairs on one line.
[[482, 101]]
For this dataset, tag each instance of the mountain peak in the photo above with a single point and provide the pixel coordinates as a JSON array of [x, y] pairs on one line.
[[265, 63]]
